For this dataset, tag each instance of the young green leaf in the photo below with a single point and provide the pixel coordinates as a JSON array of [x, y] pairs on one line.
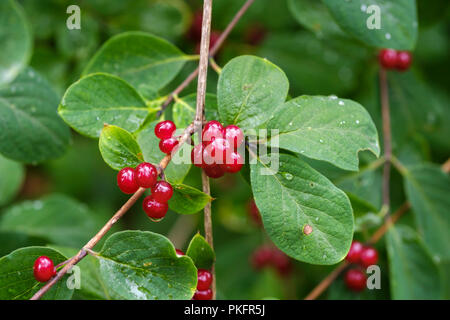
[[119, 148], [143, 265], [139, 58], [16, 40], [17, 281], [30, 129], [325, 128], [290, 194], [12, 174], [201, 252], [187, 200], [249, 89], [184, 109], [397, 21], [100, 99]]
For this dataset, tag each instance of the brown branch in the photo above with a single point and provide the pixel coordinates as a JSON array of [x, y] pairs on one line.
[[325, 283]]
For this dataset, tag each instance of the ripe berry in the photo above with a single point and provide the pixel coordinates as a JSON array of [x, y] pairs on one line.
[[234, 135], [214, 171], [212, 130], [43, 269], [204, 279], [404, 60], [261, 257], [354, 254], [168, 145], [126, 180], [197, 156], [154, 209], [179, 253], [281, 262], [233, 162], [388, 58], [369, 256], [162, 191], [203, 295], [355, 279], [216, 152], [195, 31], [146, 175], [165, 129]]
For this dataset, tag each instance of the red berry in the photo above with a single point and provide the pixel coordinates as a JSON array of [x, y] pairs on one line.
[[212, 130], [261, 257], [154, 209], [162, 191], [204, 279], [126, 180], [355, 279], [234, 135], [233, 162], [195, 31], [197, 156], [369, 256], [165, 129], [213, 171], [168, 145], [213, 37], [179, 253], [146, 175], [255, 34], [203, 295], [43, 269], [254, 213], [354, 254], [388, 58], [281, 262], [216, 152], [404, 60]]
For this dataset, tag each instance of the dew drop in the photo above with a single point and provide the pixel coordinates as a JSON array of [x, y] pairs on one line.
[[288, 176], [321, 141], [341, 103], [388, 36], [317, 218], [363, 8], [357, 121], [97, 118]]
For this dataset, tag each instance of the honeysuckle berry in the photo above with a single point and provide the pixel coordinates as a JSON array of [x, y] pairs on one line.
[[261, 257], [388, 58], [355, 279], [179, 253], [369, 256], [281, 262], [197, 156], [153, 208], [204, 279], [213, 171], [354, 254], [165, 129], [404, 60], [146, 175], [162, 191], [43, 269], [234, 135], [203, 294], [211, 131], [126, 180], [168, 145], [233, 162], [216, 152]]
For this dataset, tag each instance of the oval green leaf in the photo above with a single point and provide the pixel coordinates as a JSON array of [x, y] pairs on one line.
[[201, 252], [187, 200], [11, 177]]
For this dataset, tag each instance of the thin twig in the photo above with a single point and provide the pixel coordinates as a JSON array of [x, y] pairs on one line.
[[325, 283]]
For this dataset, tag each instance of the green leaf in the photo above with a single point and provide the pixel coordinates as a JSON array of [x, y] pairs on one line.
[[11, 177], [30, 129], [187, 200], [139, 58], [57, 218], [184, 109], [249, 89], [97, 99], [398, 21], [14, 240], [427, 189], [325, 128], [143, 265], [293, 195], [16, 40], [201, 252], [180, 164], [413, 274], [119, 148], [17, 281]]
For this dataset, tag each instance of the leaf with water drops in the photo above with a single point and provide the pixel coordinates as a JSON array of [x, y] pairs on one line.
[[201, 252], [138, 265], [290, 195], [325, 128]]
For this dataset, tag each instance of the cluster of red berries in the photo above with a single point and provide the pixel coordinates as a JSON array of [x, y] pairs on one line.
[[43, 269], [268, 256], [145, 175], [217, 153], [365, 256], [164, 130], [393, 59]]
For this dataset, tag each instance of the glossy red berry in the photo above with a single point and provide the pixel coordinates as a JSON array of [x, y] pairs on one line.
[[214, 171], [154, 209], [168, 145], [43, 269], [369, 256], [165, 129], [179, 253], [355, 279], [404, 60], [388, 58], [233, 162], [126, 180], [212, 130], [146, 175], [197, 156], [216, 152], [354, 254], [204, 279], [162, 191], [203, 295], [234, 135]]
